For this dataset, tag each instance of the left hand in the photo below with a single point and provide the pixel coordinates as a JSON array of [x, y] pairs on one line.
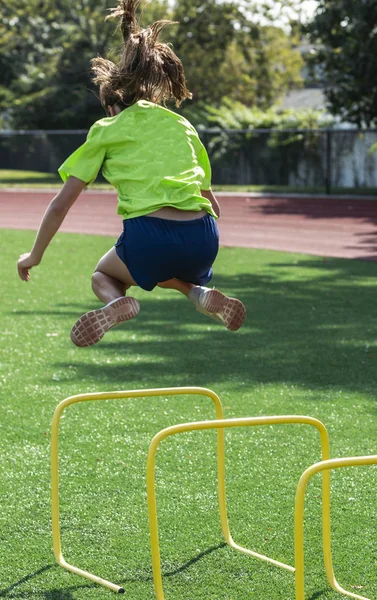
[[24, 264]]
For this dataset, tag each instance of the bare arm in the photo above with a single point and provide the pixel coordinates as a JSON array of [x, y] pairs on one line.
[[50, 224], [211, 197]]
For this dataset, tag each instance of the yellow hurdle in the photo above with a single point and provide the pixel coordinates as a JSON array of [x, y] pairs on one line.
[[120, 395], [221, 425], [321, 467], [128, 394], [324, 467]]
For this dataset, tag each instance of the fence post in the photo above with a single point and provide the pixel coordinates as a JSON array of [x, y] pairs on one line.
[[328, 173]]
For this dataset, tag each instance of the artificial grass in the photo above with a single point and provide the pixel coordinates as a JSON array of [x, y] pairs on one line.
[[12, 177], [35, 180], [308, 347]]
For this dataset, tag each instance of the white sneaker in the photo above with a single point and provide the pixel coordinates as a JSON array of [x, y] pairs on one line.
[[91, 327], [228, 311]]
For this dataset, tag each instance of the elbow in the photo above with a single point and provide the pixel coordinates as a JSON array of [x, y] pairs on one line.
[[57, 212]]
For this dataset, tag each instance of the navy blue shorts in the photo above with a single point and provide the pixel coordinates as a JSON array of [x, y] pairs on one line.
[[155, 250]]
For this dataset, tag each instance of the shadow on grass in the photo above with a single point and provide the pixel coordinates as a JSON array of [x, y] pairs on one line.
[[180, 569], [5, 592], [73, 314], [69, 309], [194, 560], [315, 332], [65, 594], [57, 594]]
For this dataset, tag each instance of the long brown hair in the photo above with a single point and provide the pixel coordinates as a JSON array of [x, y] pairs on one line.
[[147, 68]]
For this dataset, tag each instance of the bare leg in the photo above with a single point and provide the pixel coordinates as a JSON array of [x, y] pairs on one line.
[[111, 278], [176, 284], [110, 281], [212, 303], [107, 288]]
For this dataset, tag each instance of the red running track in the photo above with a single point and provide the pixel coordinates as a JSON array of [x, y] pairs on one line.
[[334, 227]]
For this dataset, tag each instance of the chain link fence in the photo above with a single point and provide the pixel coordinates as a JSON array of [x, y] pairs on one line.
[[320, 160]]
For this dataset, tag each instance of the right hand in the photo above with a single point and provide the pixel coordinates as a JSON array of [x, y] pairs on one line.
[[24, 264]]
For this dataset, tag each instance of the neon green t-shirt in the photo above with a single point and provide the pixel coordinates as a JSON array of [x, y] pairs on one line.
[[152, 156]]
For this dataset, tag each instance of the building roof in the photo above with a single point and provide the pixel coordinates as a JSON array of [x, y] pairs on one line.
[[306, 98]]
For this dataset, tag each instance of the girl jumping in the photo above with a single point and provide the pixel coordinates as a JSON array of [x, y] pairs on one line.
[[162, 174]]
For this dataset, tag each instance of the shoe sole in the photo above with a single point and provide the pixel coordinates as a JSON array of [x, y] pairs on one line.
[[230, 311], [91, 327]]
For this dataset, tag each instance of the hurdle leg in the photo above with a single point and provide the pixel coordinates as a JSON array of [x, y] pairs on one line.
[[324, 466], [325, 454]]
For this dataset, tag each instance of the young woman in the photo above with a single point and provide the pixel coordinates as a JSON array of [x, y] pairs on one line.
[[162, 174]]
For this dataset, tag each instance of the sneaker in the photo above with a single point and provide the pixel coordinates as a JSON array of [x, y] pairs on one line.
[[228, 311], [91, 327]]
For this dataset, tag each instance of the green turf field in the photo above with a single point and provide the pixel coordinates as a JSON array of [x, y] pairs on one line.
[[308, 347]]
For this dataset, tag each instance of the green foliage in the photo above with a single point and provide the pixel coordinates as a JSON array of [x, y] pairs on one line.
[[202, 39], [344, 33], [46, 60], [226, 54], [258, 69], [46, 47], [234, 115], [249, 136]]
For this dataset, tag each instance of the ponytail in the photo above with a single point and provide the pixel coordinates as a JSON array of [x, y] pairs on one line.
[[147, 68]]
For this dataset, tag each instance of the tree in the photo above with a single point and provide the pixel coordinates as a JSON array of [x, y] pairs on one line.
[[226, 54], [343, 33], [46, 47], [28, 46], [45, 52], [205, 31], [259, 73]]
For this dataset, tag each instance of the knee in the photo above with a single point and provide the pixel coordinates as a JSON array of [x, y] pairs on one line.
[[97, 278]]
